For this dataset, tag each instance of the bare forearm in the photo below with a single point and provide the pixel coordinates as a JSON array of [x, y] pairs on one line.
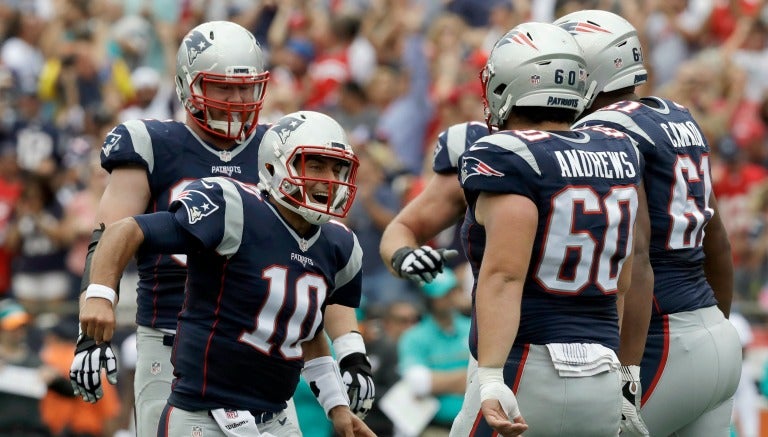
[[339, 320], [317, 347], [117, 246], [638, 303], [499, 300]]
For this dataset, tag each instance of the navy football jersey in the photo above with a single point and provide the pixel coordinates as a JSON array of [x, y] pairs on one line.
[[254, 295], [173, 156], [452, 142], [584, 184], [678, 185]]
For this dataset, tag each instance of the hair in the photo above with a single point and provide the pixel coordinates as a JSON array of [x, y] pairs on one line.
[[538, 114]]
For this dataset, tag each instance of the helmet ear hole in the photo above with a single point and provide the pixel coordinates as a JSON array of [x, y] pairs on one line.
[[270, 169]]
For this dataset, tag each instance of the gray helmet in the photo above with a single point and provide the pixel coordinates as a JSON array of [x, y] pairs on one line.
[[221, 53], [611, 47], [283, 152], [534, 64]]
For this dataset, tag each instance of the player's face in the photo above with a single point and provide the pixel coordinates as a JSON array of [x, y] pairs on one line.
[[318, 170], [228, 92]]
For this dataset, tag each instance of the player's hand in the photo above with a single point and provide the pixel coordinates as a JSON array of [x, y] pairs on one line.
[[498, 404], [421, 265], [631, 422], [346, 424], [85, 372], [358, 377], [97, 319]]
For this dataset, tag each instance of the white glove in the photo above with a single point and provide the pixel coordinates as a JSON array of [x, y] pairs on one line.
[[492, 386], [631, 422], [85, 373], [421, 265]]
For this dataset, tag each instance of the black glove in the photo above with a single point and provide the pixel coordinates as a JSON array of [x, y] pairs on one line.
[[421, 265], [85, 373], [358, 377], [356, 372]]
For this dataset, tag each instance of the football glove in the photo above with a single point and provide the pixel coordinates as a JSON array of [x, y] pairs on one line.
[[355, 372], [421, 265], [631, 422], [85, 373]]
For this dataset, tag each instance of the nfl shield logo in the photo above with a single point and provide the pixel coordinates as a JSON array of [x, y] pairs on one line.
[[231, 414], [155, 368], [618, 62], [303, 245], [225, 155], [535, 79], [197, 431]]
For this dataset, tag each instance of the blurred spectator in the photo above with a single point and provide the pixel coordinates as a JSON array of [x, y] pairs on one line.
[[354, 113], [10, 190], [25, 379], [36, 236], [68, 416], [382, 352], [152, 98], [36, 139], [375, 205], [733, 182], [433, 354], [20, 52]]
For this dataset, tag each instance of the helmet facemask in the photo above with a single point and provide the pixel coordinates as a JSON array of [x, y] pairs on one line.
[[230, 120], [297, 188]]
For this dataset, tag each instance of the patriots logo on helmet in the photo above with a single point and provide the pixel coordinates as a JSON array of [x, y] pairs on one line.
[[471, 166], [110, 143], [198, 205], [286, 126], [517, 37], [575, 27], [196, 43]]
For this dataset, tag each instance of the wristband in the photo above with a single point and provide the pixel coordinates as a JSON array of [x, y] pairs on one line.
[[102, 291], [325, 381], [630, 373], [347, 344], [487, 375]]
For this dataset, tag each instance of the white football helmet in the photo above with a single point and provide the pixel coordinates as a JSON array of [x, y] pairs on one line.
[[534, 64], [217, 53], [283, 153], [611, 47]]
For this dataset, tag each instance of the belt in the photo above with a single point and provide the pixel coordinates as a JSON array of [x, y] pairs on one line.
[[168, 339], [264, 416]]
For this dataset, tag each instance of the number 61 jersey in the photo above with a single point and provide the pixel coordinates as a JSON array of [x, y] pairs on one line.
[[255, 293], [678, 185], [584, 185]]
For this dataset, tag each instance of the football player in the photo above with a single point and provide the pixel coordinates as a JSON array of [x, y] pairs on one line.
[[691, 359], [440, 205], [263, 263], [220, 81], [557, 208]]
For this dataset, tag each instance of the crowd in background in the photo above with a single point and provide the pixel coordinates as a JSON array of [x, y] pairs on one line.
[[394, 73]]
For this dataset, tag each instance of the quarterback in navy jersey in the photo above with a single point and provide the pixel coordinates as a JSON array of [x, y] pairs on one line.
[[557, 208], [690, 363], [221, 83], [263, 264]]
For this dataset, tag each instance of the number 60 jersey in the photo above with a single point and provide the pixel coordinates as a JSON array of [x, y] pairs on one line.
[[584, 185], [256, 291]]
